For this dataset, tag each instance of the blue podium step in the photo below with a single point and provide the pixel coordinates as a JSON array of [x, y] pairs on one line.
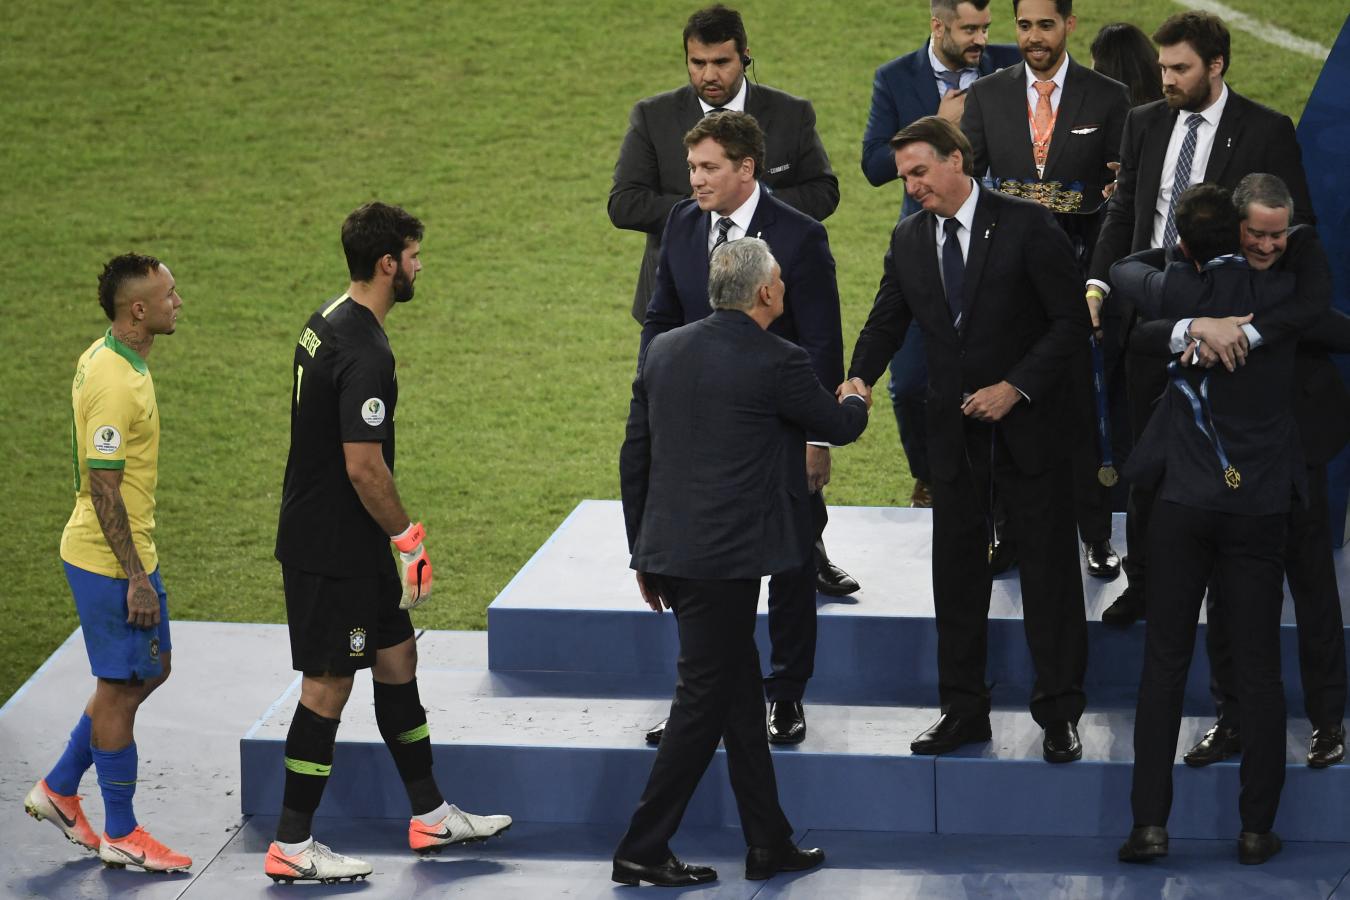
[[569, 757], [575, 608]]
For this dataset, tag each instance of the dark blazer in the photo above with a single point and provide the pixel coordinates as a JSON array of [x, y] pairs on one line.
[[1321, 401], [811, 299], [713, 465], [652, 173], [903, 90], [1087, 131], [1249, 407], [1250, 138], [1024, 320]]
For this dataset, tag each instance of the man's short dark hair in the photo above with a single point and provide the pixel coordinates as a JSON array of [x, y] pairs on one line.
[[945, 10], [716, 25], [941, 135], [1063, 8], [117, 272], [1207, 221], [738, 133], [374, 231], [1265, 189], [1204, 31]]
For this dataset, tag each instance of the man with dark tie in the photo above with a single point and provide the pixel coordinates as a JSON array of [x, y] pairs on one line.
[[991, 281], [1222, 455], [931, 80], [1201, 131], [1048, 118], [725, 156], [651, 175], [714, 497]]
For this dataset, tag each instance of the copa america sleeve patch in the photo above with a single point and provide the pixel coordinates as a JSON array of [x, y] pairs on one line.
[[372, 411], [107, 439]]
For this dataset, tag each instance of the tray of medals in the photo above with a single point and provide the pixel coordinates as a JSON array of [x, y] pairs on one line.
[[1064, 199]]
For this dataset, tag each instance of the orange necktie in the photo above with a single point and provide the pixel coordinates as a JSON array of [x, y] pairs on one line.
[[1043, 122]]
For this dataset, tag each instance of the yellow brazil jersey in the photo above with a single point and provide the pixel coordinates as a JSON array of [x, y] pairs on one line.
[[116, 426]]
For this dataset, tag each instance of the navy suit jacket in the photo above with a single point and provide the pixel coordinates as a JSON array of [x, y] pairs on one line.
[[1024, 322], [903, 90], [713, 465], [810, 316]]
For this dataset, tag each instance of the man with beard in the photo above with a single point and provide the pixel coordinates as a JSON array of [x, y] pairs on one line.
[[652, 174], [932, 80], [1051, 119], [346, 604], [1201, 131]]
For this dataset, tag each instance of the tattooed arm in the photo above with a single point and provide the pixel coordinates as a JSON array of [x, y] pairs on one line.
[[105, 490]]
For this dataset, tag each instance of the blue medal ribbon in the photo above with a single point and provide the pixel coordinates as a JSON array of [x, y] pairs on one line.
[[1106, 472], [1204, 420]]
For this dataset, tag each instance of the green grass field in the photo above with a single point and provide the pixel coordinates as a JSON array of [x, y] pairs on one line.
[[231, 139]]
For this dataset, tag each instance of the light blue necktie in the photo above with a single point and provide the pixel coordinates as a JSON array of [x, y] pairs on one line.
[[1182, 180]]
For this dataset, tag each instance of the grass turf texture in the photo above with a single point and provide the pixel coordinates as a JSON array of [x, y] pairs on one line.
[[232, 139]]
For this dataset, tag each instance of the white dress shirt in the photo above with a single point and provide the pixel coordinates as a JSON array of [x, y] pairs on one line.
[[740, 219], [735, 104], [1204, 143], [966, 216]]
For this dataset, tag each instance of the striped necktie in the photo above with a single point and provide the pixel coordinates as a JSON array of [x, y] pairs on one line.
[[723, 226], [1182, 180]]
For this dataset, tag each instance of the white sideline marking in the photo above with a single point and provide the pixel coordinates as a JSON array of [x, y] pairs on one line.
[[1261, 30]]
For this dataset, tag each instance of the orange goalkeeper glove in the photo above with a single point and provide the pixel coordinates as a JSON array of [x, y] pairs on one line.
[[414, 566]]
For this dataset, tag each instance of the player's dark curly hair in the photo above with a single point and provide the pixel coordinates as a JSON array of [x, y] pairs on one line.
[[1207, 222], [374, 231], [116, 272]]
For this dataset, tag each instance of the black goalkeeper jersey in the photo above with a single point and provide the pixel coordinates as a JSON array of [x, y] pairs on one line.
[[344, 390]]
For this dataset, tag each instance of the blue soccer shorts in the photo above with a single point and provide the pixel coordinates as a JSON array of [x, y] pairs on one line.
[[116, 649]]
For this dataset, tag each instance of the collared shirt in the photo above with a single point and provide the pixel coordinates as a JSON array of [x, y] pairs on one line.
[[740, 219], [966, 216], [968, 74], [1034, 97], [1204, 143], [735, 104]]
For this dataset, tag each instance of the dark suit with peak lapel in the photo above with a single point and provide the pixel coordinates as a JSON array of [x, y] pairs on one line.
[[652, 174], [713, 475], [810, 320], [1206, 523], [1321, 407], [1023, 319], [903, 91], [1250, 138], [1086, 137]]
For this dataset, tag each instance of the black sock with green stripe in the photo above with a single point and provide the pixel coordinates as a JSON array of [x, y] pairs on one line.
[[309, 760], [403, 725]]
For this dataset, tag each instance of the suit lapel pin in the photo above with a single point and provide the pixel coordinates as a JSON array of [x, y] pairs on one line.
[[1230, 143]]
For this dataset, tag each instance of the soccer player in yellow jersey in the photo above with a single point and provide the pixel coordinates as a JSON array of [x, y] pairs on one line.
[[108, 551]]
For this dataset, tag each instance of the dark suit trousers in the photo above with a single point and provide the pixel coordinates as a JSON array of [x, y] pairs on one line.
[[1092, 501], [717, 697], [792, 621], [1245, 555], [1311, 570], [1146, 379], [1040, 512]]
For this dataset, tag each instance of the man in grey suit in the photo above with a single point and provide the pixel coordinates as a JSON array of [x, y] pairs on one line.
[[652, 175], [713, 475]]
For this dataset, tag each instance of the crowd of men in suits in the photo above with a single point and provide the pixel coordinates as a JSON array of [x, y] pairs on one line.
[[1199, 285]]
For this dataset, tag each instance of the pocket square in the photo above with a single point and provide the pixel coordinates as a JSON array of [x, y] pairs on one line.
[[1085, 129], [783, 168]]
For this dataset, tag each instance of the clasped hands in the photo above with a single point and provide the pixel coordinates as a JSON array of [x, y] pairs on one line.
[[1217, 341], [854, 386]]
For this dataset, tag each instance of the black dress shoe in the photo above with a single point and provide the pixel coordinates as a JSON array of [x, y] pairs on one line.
[[671, 873], [1327, 747], [1128, 607], [833, 581], [1254, 849], [1144, 843], [787, 722], [1219, 743], [765, 862], [654, 734], [950, 732], [1061, 743], [1102, 559]]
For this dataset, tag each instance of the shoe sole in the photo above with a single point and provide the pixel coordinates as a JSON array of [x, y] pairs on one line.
[[634, 880], [1326, 763], [1200, 763], [476, 839], [285, 879], [930, 751], [1147, 855], [837, 592], [1058, 758], [782, 741], [32, 810], [153, 871]]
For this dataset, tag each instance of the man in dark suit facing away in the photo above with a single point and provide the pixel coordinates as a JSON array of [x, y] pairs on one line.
[[932, 80], [714, 498], [1201, 131], [991, 281], [1048, 118], [725, 157], [1222, 455]]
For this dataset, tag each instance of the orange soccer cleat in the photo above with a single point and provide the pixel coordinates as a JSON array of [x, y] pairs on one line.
[[140, 849], [63, 812]]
